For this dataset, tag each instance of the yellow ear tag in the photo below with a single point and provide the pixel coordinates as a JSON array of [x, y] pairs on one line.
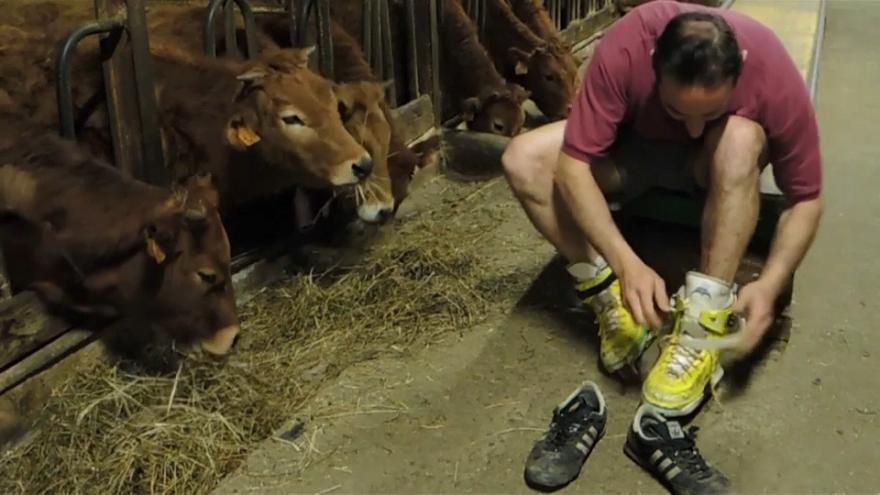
[[248, 136], [155, 251]]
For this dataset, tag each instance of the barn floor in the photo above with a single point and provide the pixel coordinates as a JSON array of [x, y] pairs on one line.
[[461, 416]]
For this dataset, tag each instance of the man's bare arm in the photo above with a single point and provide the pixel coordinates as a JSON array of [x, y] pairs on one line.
[[643, 289], [794, 234]]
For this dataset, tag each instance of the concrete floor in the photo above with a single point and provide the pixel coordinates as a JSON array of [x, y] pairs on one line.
[[460, 417]]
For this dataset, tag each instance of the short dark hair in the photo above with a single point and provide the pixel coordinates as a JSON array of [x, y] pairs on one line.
[[697, 48]]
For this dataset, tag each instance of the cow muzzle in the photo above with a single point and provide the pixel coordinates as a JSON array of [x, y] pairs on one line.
[[221, 342]]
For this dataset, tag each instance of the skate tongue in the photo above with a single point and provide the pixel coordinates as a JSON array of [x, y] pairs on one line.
[[705, 292]]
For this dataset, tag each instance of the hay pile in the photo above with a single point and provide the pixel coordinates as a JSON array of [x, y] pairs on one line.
[[114, 431]]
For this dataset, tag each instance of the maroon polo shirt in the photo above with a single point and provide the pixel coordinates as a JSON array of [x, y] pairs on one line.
[[618, 92]]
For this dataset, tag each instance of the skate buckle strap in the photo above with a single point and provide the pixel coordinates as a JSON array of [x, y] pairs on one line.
[[732, 340], [590, 291], [717, 321]]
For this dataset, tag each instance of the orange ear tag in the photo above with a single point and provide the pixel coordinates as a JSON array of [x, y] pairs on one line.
[[248, 136]]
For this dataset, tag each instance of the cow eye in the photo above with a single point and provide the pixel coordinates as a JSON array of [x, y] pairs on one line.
[[208, 277], [293, 119], [549, 77]]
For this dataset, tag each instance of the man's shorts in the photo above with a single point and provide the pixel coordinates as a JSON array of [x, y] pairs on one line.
[[646, 164]]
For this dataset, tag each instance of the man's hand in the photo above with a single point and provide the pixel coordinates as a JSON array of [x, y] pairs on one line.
[[644, 292], [755, 301]]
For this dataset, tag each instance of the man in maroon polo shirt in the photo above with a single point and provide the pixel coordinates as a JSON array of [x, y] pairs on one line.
[[695, 99]]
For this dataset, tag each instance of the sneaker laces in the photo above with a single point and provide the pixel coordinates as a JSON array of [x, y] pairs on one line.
[[562, 428], [686, 452]]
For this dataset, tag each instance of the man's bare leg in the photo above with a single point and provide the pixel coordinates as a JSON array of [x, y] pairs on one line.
[[737, 154], [730, 166], [530, 165]]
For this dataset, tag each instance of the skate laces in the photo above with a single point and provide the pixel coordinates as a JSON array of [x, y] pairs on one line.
[[682, 358]]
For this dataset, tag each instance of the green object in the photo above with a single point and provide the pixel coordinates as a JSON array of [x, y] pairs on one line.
[[674, 207]]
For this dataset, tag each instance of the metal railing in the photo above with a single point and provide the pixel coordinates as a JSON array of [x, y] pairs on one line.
[[564, 12], [128, 88], [247, 13]]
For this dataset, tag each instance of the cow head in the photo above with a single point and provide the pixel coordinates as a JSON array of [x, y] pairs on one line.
[[497, 111], [289, 114], [550, 84], [195, 299], [361, 110], [179, 281]]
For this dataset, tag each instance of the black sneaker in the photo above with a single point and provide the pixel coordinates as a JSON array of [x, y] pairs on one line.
[[578, 424], [670, 454]]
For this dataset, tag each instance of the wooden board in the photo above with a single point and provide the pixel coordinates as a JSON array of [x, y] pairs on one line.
[[25, 327], [414, 119]]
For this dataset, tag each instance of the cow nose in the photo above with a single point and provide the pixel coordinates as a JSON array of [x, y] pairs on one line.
[[362, 168], [385, 215]]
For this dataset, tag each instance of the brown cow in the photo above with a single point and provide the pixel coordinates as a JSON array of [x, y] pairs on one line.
[[523, 57], [279, 119], [91, 240], [367, 116], [536, 17], [488, 102]]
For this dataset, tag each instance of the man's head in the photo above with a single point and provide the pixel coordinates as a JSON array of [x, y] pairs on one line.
[[697, 61]]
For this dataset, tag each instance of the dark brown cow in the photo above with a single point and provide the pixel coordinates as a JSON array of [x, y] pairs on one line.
[[488, 102], [88, 239], [523, 57], [536, 17]]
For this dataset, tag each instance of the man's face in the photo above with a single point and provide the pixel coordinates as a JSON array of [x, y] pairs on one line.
[[695, 105]]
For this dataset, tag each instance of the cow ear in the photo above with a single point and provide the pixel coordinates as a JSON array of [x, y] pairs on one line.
[[520, 59], [469, 109], [154, 249], [241, 135]]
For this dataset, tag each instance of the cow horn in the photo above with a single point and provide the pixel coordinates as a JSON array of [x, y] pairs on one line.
[[253, 75]]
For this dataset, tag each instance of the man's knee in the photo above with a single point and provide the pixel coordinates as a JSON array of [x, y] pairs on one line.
[[525, 162], [739, 152]]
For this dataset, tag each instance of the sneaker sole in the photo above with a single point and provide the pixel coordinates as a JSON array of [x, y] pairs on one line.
[[691, 407]]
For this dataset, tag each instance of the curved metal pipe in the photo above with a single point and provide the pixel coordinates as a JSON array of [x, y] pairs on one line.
[[63, 90]]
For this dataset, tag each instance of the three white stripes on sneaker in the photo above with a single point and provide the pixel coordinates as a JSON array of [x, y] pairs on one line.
[[588, 439], [663, 463]]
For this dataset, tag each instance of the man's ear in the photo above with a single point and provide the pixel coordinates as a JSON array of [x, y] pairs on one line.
[[744, 54]]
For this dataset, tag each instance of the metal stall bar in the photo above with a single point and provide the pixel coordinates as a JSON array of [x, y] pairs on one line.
[[63, 88], [128, 84], [376, 42], [250, 27], [476, 10], [321, 10], [423, 42]]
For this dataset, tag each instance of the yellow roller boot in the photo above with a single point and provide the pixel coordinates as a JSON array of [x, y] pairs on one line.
[[677, 383], [621, 339]]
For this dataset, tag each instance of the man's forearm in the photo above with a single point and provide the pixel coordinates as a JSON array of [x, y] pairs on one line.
[[794, 234], [590, 211]]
